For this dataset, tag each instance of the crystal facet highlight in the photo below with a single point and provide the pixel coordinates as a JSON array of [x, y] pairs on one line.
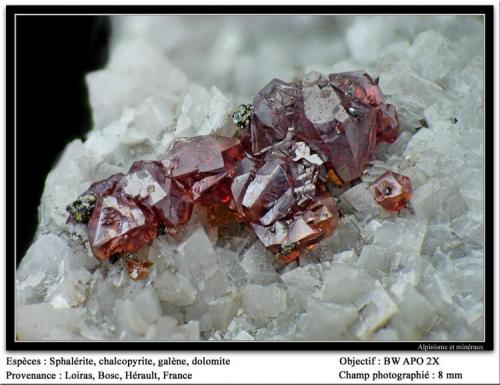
[[392, 191], [294, 138]]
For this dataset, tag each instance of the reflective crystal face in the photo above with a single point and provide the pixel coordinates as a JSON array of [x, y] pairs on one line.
[[272, 177], [268, 186], [392, 191], [301, 230], [279, 195], [341, 117], [339, 129], [388, 123], [120, 225], [358, 85], [244, 172], [148, 181], [276, 109], [323, 215], [106, 186], [204, 165], [131, 208]]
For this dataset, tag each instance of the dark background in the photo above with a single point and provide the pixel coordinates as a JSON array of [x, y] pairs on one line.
[[53, 55]]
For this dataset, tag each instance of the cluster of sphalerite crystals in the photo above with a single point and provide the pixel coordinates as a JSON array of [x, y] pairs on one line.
[[301, 134], [158, 196], [272, 181], [380, 276]]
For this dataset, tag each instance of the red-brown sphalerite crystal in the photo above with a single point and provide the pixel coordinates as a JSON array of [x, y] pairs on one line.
[[106, 186], [120, 225], [269, 177], [358, 85], [204, 165], [276, 109], [341, 130], [392, 191], [149, 182]]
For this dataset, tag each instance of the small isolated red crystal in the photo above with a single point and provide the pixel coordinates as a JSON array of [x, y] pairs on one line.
[[392, 191], [273, 177], [137, 270]]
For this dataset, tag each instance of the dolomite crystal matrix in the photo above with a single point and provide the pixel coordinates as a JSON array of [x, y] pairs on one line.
[[381, 275]]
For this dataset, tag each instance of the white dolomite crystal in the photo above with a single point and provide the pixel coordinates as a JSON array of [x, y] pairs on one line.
[[381, 276]]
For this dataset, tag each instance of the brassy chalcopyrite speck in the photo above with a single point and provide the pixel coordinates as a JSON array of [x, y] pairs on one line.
[[242, 116], [293, 139]]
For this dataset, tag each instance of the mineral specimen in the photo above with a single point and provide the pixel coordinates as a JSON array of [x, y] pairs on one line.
[[81, 209], [148, 181], [392, 191], [276, 109], [269, 176], [242, 116], [377, 277], [205, 166], [342, 119], [119, 224]]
